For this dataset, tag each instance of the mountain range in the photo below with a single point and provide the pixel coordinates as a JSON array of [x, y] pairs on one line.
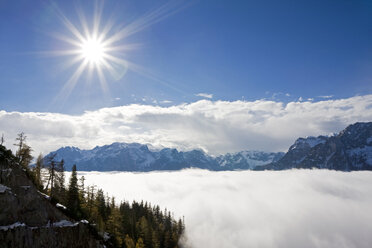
[[351, 149], [138, 157]]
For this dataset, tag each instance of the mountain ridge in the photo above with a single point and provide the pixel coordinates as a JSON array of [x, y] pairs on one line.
[[138, 157], [349, 150]]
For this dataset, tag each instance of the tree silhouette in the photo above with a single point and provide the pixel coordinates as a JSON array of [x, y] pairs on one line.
[[73, 200]]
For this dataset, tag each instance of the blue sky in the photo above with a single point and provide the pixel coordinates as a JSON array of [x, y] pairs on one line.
[[232, 49], [221, 76]]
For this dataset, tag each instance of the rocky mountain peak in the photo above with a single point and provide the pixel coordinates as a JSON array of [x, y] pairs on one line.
[[351, 149]]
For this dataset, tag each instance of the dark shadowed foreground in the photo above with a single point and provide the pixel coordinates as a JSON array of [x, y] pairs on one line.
[[29, 218], [295, 208]]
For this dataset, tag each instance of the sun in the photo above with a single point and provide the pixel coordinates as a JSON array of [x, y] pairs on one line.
[[94, 48], [93, 51], [99, 48]]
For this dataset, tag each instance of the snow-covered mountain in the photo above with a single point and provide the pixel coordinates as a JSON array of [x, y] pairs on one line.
[[138, 157], [351, 149], [247, 159]]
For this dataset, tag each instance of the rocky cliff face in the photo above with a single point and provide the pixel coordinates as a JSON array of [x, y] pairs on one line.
[[350, 150], [29, 219], [64, 236]]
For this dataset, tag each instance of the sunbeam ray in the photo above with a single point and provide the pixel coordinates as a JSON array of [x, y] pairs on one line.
[[102, 80], [98, 8], [71, 27], [83, 23], [66, 39], [70, 84]]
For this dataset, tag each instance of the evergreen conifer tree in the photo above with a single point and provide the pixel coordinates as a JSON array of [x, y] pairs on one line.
[[129, 243], [23, 153], [37, 172], [73, 200], [140, 243]]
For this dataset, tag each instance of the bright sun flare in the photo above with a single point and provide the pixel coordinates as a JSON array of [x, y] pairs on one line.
[[94, 48], [99, 49], [93, 51]]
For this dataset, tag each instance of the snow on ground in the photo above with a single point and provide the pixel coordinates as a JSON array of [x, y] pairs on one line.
[[3, 188], [26, 187], [360, 151], [44, 195], [63, 223], [12, 226], [58, 205], [294, 208], [6, 172]]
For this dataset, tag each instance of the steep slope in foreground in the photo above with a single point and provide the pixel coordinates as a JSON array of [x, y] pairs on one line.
[[29, 219], [137, 157], [350, 150]]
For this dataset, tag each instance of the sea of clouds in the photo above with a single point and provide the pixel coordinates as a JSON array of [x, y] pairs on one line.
[[294, 208], [214, 126]]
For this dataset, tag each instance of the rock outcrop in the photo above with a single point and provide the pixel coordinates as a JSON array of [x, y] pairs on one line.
[[28, 218]]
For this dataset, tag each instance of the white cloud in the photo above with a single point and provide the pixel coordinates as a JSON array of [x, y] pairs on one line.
[[296, 208], [166, 101], [326, 97], [215, 126], [205, 95]]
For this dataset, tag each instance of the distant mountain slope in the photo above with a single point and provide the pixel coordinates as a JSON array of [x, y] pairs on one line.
[[247, 159], [350, 150], [138, 157]]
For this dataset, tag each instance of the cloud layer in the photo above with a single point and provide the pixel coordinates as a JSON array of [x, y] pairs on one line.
[[205, 95], [296, 208], [215, 126]]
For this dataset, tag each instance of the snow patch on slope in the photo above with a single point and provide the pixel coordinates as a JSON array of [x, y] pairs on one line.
[[362, 152], [308, 141], [4, 188], [12, 226]]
